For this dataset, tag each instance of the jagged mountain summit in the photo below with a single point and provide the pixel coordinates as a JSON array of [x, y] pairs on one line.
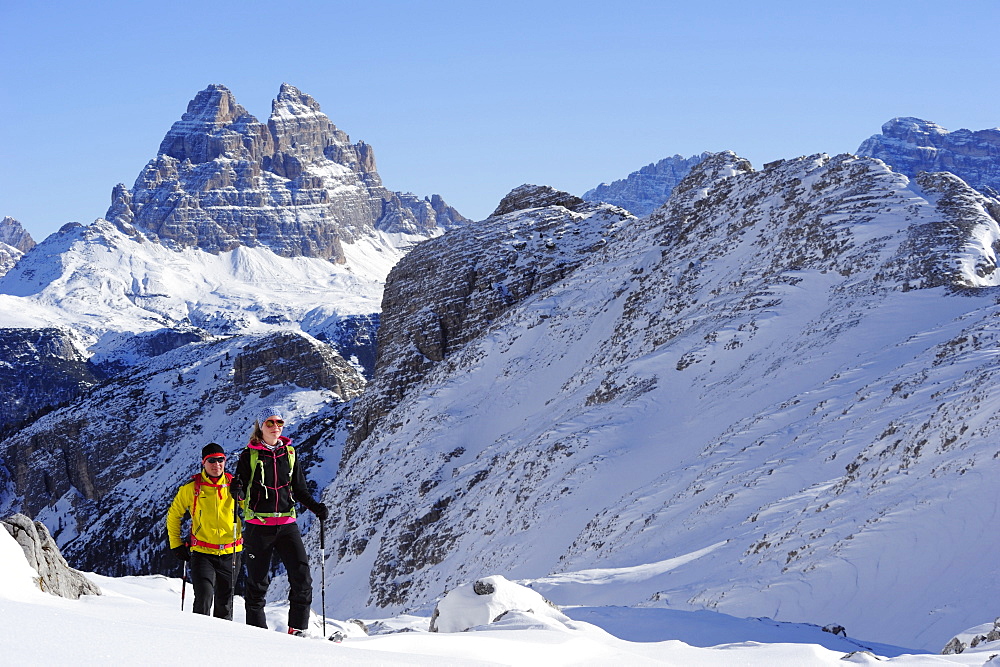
[[770, 398], [911, 145], [645, 190], [296, 184], [14, 242]]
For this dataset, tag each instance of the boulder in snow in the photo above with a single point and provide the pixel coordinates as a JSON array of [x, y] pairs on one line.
[[55, 576], [487, 601]]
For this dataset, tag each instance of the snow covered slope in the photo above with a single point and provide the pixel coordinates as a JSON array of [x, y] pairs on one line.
[[778, 384]]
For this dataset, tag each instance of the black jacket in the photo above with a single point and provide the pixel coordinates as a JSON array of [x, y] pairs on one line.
[[274, 488]]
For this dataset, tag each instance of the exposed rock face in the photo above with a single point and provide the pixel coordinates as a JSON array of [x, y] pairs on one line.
[[42, 368], [470, 278], [644, 191], [55, 575], [14, 242], [295, 184], [294, 358], [102, 470], [536, 196], [14, 235], [912, 145]]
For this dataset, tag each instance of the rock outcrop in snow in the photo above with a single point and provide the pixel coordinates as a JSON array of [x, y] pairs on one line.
[[487, 601], [55, 576]]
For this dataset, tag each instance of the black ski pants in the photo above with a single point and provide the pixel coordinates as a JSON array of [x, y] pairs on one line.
[[212, 580], [259, 542]]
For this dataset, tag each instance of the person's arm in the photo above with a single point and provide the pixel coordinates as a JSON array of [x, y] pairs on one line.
[[302, 495], [178, 508]]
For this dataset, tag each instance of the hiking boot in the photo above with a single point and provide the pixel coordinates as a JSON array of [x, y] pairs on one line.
[[297, 633]]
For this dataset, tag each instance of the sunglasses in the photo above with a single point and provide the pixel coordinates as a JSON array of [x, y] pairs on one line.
[[274, 422], [215, 459]]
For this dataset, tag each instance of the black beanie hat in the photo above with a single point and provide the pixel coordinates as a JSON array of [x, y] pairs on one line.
[[210, 449]]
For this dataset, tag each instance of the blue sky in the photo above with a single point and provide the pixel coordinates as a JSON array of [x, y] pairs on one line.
[[471, 99]]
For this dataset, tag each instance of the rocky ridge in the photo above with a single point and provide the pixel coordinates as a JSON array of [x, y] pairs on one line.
[[750, 380], [536, 237]]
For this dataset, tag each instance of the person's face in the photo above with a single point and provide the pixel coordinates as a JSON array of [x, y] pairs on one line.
[[215, 465], [272, 428]]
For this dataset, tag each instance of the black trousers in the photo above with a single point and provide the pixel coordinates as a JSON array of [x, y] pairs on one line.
[[212, 580], [259, 542]]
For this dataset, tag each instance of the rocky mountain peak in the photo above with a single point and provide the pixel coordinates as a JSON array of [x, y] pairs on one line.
[[912, 145], [14, 235], [14, 242], [536, 196], [213, 126], [296, 184]]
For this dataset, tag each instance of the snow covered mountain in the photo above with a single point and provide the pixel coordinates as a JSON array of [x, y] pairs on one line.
[[770, 398], [236, 227], [645, 190], [912, 145]]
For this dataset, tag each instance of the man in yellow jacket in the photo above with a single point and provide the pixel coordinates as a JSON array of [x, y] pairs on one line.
[[214, 543]]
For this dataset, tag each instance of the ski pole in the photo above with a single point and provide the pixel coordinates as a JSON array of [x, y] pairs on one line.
[[236, 528], [322, 568], [184, 581]]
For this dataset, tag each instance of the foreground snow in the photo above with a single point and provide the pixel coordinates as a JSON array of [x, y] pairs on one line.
[[139, 619]]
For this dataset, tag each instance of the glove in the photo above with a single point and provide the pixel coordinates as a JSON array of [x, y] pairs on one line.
[[182, 552], [321, 511], [236, 489]]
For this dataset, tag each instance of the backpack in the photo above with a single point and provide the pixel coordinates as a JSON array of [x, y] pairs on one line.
[[254, 462]]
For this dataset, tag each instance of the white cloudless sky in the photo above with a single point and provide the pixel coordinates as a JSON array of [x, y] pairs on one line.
[[470, 99]]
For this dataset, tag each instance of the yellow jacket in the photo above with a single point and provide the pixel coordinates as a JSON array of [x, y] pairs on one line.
[[212, 526]]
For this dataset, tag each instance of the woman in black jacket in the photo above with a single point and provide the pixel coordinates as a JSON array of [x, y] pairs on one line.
[[269, 482]]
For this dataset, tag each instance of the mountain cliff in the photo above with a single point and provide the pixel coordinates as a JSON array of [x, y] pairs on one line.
[[912, 145], [757, 400], [645, 190], [296, 184], [14, 242]]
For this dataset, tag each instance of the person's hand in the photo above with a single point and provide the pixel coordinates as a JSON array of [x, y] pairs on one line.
[[236, 489], [182, 552], [321, 511]]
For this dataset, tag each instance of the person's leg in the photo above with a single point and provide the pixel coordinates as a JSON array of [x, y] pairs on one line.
[[258, 542], [202, 581], [293, 557], [224, 584]]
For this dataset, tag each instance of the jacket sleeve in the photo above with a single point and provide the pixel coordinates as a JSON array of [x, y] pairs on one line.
[[242, 475], [178, 508], [301, 489]]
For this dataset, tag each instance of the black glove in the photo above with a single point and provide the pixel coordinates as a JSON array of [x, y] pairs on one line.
[[320, 510], [182, 552], [236, 489]]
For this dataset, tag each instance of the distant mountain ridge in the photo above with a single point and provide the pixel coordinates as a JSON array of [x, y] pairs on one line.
[[645, 190], [912, 145]]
